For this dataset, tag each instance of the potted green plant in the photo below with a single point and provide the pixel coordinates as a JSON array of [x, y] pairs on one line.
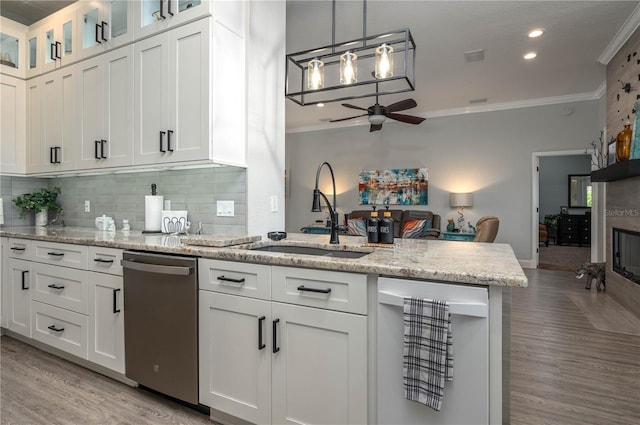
[[40, 202]]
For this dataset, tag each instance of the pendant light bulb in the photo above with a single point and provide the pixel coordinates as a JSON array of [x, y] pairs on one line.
[[384, 61], [315, 74], [348, 68]]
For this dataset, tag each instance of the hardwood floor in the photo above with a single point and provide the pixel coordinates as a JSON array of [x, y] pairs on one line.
[[564, 371], [39, 388]]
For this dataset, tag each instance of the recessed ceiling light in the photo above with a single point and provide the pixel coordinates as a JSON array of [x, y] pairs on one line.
[[320, 105], [536, 33], [530, 55]]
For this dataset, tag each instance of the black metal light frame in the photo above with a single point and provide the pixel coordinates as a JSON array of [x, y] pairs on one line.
[[403, 79]]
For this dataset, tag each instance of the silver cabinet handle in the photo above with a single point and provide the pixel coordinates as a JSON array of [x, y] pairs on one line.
[[156, 268]]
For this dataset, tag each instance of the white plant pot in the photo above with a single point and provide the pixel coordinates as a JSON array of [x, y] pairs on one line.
[[42, 218]]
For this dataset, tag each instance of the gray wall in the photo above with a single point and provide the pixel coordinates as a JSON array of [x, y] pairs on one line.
[[554, 172], [122, 196], [489, 154], [10, 187]]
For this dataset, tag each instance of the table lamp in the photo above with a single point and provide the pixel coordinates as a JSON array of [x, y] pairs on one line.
[[461, 200]]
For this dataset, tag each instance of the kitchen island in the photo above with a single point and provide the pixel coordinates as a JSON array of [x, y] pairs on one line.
[[345, 303]]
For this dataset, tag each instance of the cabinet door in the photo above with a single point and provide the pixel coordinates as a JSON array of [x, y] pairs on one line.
[[59, 40], [12, 125], [35, 136], [18, 302], [59, 119], [189, 92], [150, 99], [153, 16], [235, 368], [106, 321], [91, 110], [12, 48], [33, 58], [320, 370]]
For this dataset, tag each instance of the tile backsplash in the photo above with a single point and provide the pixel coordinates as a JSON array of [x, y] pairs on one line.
[[122, 196]]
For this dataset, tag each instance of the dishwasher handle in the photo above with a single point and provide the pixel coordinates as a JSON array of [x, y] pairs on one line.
[[157, 268]]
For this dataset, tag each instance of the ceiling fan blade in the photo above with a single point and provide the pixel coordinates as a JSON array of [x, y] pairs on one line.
[[375, 127], [348, 118], [402, 105], [409, 119], [347, 105]]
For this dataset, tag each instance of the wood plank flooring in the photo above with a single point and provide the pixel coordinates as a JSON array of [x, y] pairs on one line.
[[564, 371], [39, 388]]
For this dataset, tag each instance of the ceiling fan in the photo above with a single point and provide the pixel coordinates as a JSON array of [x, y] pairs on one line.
[[378, 113]]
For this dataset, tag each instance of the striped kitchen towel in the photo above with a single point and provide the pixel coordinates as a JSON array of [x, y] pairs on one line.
[[428, 351]]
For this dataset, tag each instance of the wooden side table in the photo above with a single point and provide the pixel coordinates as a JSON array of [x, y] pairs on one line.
[[456, 236]]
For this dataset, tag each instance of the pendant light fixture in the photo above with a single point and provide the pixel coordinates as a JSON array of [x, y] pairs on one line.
[[372, 65]]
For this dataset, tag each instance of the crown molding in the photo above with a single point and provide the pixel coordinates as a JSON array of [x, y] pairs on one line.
[[555, 100], [621, 37]]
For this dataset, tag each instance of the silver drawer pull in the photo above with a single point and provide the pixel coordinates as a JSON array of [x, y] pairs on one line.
[[54, 286], [322, 291], [155, 268], [53, 328]]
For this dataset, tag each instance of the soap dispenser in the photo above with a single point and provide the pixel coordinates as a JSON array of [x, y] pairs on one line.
[[386, 227], [373, 227]]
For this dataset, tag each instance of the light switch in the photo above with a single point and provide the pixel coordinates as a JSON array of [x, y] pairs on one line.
[[225, 208], [274, 203]]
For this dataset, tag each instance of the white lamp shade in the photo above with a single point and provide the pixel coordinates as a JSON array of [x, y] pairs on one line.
[[461, 199]]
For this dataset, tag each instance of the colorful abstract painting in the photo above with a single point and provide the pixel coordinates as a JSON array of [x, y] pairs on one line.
[[406, 186]]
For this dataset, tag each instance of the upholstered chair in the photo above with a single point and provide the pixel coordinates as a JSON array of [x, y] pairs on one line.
[[487, 229]]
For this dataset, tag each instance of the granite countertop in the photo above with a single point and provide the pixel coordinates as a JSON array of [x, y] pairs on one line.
[[451, 261]]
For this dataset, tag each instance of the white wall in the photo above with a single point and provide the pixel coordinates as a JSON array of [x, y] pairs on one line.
[[554, 174], [489, 154], [265, 116]]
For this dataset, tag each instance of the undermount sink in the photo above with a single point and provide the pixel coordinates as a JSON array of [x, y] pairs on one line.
[[307, 250]]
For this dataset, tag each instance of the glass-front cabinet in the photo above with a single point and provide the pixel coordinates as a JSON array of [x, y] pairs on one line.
[[155, 15], [12, 48], [105, 25], [57, 35]]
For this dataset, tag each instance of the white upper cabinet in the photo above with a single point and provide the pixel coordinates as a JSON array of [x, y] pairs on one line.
[[105, 96], [104, 25], [12, 125], [12, 48], [173, 86], [152, 16], [58, 38]]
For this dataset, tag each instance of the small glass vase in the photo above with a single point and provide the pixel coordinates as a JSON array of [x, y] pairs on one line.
[[623, 144], [42, 218]]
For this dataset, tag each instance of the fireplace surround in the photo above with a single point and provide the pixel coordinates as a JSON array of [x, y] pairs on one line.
[[625, 256]]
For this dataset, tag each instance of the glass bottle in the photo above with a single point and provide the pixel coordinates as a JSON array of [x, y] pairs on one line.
[[623, 143]]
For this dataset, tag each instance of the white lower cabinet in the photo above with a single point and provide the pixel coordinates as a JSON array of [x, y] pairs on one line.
[[273, 362], [18, 297], [235, 362], [319, 374], [55, 294], [106, 321]]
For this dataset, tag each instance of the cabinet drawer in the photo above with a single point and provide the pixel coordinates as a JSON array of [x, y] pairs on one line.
[[60, 287], [105, 260], [61, 254], [249, 280], [60, 328], [19, 248], [319, 288]]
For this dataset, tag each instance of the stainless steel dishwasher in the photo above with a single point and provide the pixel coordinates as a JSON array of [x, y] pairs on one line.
[[161, 323]]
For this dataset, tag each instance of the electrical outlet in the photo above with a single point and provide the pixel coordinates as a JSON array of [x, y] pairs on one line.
[[225, 208], [167, 205], [87, 206]]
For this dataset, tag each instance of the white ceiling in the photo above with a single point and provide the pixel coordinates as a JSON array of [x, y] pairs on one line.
[[576, 34]]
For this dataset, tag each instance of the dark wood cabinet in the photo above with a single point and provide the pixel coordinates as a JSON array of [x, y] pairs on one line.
[[574, 229]]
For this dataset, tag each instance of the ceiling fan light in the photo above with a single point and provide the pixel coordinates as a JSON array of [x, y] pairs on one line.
[[348, 68], [377, 119], [384, 61], [315, 74]]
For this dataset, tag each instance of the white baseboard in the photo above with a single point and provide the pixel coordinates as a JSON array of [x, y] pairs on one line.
[[528, 264]]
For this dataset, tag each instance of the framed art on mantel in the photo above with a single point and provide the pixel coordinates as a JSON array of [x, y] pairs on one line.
[[400, 186]]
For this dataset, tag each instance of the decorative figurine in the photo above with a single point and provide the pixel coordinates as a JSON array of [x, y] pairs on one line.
[[450, 226]]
